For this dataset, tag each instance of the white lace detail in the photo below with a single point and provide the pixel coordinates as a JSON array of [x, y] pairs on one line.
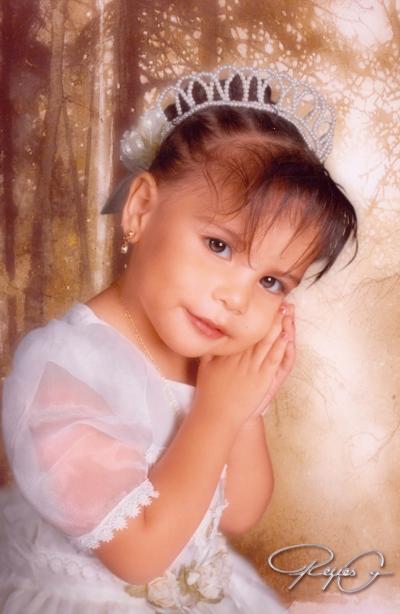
[[128, 507]]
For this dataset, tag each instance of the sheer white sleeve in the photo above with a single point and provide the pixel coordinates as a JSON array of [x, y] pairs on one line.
[[81, 463]]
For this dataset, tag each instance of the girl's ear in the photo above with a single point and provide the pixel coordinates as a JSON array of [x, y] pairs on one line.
[[141, 201]]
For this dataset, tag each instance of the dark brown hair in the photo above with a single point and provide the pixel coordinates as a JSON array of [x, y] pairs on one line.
[[267, 164]]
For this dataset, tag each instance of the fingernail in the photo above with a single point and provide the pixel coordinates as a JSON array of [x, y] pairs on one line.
[[283, 309]]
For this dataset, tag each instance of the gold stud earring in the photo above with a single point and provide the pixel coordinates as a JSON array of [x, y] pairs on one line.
[[126, 240]]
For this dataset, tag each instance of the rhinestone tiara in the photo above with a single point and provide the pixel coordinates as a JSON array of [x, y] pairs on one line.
[[297, 101]]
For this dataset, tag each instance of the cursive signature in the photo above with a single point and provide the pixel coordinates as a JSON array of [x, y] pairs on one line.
[[331, 573]]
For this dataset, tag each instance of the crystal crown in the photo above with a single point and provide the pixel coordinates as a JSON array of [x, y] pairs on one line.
[[277, 92]]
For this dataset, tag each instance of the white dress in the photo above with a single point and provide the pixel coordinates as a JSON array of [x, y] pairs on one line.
[[84, 417]]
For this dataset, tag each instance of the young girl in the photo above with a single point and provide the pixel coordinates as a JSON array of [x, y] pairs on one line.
[[133, 423]]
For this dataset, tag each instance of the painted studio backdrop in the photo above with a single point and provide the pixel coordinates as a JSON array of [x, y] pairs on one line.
[[74, 74]]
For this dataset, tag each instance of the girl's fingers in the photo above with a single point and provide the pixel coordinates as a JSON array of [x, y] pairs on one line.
[[262, 347], [289, 358], [282, 372], [278, 361], [288, 324], [293, 323], [290, 354], [275, 356]]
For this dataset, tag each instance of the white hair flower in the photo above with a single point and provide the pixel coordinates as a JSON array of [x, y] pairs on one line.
[[139, 145]]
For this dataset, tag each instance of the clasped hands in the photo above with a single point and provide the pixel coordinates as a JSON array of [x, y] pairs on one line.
[[284, 367], [255, 374]]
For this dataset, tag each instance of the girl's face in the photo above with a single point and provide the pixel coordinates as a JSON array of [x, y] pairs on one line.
[[187, 268]]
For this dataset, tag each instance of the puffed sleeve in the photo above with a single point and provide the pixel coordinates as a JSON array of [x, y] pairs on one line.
[[76, 432]]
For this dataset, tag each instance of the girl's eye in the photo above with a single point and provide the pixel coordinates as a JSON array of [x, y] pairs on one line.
[[273, 284], [217, 246]]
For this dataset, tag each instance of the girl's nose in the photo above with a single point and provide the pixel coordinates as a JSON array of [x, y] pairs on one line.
[[234, 296]]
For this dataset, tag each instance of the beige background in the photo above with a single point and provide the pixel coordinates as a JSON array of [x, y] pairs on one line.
[[73, 80]]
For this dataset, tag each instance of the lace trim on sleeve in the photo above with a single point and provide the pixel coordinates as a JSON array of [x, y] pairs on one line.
[[128, 507]]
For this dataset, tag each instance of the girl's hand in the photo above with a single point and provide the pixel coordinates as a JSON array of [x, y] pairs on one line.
[[284, 368], [239, 386]]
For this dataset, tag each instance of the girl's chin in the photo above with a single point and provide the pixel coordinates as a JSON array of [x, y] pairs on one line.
[[189, 346], [184, 348], [190, 343], [190, 339]]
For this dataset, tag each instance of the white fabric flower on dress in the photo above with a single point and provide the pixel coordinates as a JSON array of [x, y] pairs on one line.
[[139, 146], [196, 582], [164, 591], [214, 577], [207, 581]]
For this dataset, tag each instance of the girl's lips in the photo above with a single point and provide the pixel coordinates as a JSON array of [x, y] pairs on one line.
[[204, 327]]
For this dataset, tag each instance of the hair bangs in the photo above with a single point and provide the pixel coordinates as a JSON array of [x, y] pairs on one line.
[[271, 186]]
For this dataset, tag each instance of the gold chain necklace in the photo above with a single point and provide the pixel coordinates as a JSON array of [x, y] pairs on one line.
[[166, 387]]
